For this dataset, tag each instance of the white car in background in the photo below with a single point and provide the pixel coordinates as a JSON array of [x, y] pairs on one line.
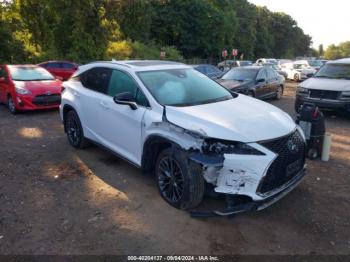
[[190, 132], [262, 61], [298, 70]]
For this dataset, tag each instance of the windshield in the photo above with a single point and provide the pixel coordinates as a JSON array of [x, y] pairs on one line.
[[32, 73], [336, 71], [315, 63], [183, 87], [240, 74]]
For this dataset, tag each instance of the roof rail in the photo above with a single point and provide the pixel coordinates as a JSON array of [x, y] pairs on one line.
[[110, 62]]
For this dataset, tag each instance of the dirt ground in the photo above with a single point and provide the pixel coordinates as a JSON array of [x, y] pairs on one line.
[[58, 200]]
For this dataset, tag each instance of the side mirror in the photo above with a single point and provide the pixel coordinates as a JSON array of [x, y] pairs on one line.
[[126, 99], [261, 80]]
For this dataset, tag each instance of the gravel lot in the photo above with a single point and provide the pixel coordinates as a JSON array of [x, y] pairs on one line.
[[57, 200]]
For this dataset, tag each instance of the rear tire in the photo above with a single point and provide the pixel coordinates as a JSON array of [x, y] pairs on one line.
[[279, 93], [296, 78], [75, 132], [179, 184], [11, 105]]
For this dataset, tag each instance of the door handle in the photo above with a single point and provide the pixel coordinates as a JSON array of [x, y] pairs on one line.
[[104, 105]]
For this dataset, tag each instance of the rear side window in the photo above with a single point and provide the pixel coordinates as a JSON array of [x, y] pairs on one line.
[[121, 82], [262, 74], [52, 65], [67, 65], [96, 79], [270, 74]]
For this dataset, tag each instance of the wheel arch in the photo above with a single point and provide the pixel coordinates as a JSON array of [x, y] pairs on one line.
[[66, 108], [154, 144]]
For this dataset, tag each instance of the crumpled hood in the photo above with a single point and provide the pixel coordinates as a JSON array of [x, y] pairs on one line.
[[232, 84], [242, 119], [326, 84]]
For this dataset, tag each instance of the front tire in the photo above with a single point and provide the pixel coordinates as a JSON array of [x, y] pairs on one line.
[[11, 105], [297, 106], [179, 184], [75, 132], [251, 94]]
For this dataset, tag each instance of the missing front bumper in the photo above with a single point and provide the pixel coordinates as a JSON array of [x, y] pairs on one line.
[[232, 208]]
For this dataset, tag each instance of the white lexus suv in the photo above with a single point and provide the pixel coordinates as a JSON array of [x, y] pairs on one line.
[[192, 133]]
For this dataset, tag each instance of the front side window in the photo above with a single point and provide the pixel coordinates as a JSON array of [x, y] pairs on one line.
[[334, 71], [96, 79], [183, 87], [121, 83], [32, 73]]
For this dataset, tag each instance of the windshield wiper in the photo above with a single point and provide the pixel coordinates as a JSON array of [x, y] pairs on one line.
[[27, 80], [323, 77], [209, 101], [343, 77]]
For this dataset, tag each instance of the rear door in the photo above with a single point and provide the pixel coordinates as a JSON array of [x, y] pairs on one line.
[[272, 81], [94, 86], [262, 88], [119, 125]]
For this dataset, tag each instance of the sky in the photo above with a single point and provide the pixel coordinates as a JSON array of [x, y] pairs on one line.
[[326, 21]]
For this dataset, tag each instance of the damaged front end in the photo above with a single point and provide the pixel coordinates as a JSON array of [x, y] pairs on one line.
[[239, 169]]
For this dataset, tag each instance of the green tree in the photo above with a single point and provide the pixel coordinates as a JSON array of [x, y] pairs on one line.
[[245, 38], [338, 51], [197, 27], [320, 50]]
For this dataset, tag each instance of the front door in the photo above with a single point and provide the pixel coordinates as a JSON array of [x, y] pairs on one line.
[[119, 125]]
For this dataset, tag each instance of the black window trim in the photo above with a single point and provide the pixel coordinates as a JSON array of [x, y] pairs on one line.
[[6, 73], [78, 78], [137, 85]]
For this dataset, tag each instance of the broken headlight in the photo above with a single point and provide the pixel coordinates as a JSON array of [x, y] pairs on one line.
[[214, 146]]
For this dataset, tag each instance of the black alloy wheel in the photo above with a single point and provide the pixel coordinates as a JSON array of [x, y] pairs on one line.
[[170, 179]]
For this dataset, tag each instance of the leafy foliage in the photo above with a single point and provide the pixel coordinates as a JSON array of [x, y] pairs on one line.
[[338, 51], [85, 30]]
